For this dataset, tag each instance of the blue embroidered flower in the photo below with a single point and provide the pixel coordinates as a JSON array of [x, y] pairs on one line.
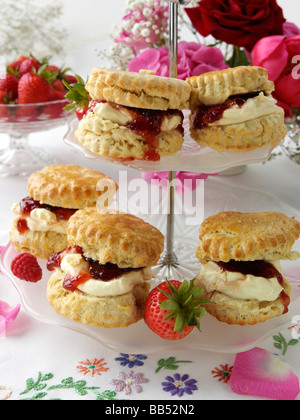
[[131, 360], [178, 385]]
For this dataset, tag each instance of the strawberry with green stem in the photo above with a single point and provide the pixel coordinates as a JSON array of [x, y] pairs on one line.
[[78, 96], [35, 87], [173, 309]]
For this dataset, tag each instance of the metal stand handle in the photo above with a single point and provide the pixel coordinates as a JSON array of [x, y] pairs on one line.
[[169, 259]]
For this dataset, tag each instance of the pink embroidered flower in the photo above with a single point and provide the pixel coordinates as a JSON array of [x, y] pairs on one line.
[[193, 59], [129, 381], [7, 315], [185, 181]]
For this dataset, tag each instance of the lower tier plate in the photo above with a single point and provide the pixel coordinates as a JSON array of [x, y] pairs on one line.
[[215, 336]]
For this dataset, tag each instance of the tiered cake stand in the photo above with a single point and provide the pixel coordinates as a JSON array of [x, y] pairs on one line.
[[192, 158], [178, 260]]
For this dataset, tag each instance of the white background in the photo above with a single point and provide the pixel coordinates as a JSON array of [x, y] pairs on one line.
[[92, 20]]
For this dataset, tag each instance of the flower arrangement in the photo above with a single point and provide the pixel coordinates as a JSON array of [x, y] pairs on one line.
[[225, 34], [29, 25], [145, 24]]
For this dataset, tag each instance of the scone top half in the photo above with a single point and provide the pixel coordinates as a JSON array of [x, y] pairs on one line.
[[234, 110], [134, 115], [240, 255], [105, 247], [216, 87], [248, 237], [138, 90], [54, 194]]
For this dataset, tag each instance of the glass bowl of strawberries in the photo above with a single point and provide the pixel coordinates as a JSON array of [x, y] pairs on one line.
[[32, 99]]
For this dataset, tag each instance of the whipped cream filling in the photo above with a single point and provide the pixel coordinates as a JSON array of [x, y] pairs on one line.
[[42, 220], [240, 286], [256, 107], [74, 265], [122, 116]]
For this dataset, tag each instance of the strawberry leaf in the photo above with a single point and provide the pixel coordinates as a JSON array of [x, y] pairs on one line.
[[184, 304], [77, 94]]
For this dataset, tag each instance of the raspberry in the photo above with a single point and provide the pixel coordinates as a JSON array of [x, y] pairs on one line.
[[26, 267]]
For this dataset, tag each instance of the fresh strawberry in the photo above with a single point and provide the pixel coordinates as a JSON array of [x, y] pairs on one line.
[[54, 109], [3, 96], [33, 88], [58, 95], [28, 66], [70, 78], [53, 68], [58, 86], [173, 309], [3, 101], [78, 96], [9, 84], [15, 65]]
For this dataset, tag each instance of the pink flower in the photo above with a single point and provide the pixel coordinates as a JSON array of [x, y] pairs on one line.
[[278, 54], [193, 59], [290, 29], [185, 181], [129, 381], [1, 249], [7, 315]]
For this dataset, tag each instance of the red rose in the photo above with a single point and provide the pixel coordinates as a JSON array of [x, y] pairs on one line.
[[237, 22]]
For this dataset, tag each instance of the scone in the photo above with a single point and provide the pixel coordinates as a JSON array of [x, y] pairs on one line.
[[233, 110], [133, 115], [241, 273], [100, 279], [55, 194]]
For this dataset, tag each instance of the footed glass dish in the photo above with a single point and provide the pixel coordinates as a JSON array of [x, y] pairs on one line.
[[17, 157]]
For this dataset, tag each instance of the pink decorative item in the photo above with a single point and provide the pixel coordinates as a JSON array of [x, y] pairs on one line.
[[261, 373], [193, 59], [1, 249], [7, 315], [278, 54]]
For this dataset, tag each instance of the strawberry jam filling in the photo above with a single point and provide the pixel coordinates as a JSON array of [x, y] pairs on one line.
[[259, 268], [146, 123], [206, 115], [96, 271], [28, 204]]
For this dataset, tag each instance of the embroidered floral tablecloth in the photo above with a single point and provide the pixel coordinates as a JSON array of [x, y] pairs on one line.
[[44, 362]]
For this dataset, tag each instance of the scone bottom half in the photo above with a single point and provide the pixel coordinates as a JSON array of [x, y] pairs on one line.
[[233, 110], [133, 116], [246, 287], [97, 293]]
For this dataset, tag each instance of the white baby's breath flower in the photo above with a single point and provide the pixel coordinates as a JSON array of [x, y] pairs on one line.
[[146, 25], [30, 26]]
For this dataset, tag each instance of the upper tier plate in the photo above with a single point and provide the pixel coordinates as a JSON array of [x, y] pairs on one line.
[[192, 157]]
